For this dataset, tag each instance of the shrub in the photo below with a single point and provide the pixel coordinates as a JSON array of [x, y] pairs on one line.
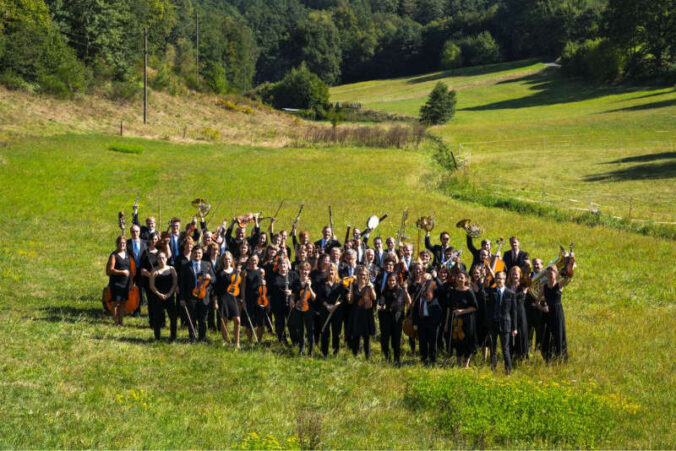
[[210, 134], [125, 148], [125, 90], [440, 106], [301, 89], [597, 60], [451, 55], [215, 79], [480, 49], [15, 82]]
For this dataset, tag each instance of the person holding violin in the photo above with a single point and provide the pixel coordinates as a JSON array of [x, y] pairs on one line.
[[283, 284], [163, 284], [362, 297], [253, 282], [118, 270], [211, 255], [227, 289], [392, 301], [329, 293], [148, 265], [194, 280], [554, 343], [462, 325], [520, 342], [502, 311], [427, 313], [303, 307]]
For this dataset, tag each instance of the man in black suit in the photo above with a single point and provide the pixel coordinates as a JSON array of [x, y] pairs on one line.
[[381, 279], [379, 252], [136, 247], [328, 241], [514, 257], [501, 311], [187, 281], [438, 249]]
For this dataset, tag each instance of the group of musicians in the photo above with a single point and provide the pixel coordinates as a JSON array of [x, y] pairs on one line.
[[211, 278]]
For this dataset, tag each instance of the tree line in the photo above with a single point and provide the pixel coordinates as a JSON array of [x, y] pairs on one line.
[[67, 46]]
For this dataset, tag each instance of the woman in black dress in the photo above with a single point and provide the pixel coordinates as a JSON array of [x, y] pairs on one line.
[[362, 321], [227, 288], [483, 321], [463, 306], [148, 264], [280, 290], [252, 279], [554, 344], [163, 284], [118, 270], [520, 342], [391, 304], [329, 301]]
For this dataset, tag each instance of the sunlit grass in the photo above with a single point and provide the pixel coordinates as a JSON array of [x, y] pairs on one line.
[[65, 366]]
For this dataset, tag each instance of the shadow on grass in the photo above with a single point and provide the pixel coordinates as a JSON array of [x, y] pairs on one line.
[[550, 87], [70, 314], [654, 171], [644, 158], [645, 106], [472, 71]]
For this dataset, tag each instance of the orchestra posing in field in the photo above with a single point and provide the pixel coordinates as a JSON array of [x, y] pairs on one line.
[[209, 279]]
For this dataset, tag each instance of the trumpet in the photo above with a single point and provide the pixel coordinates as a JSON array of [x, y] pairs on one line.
[[472, 229]]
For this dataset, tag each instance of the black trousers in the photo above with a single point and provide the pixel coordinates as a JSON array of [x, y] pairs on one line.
[[390, 332], [305, 332], [354, 341], [332, 329], [156, 310], [213, 317], [504, 343], [280, 324], [198, 314], [427, 334]]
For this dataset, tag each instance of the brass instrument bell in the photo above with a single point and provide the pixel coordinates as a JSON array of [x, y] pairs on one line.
[[202, 206], [472, 229], [425, 223]]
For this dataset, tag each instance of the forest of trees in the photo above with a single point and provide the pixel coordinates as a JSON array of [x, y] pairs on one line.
[[68, 46]]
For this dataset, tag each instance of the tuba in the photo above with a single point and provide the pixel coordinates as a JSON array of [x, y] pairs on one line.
[[472, 229]]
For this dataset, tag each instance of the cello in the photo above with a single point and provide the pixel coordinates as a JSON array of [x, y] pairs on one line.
[[133, 298], [497, 265]]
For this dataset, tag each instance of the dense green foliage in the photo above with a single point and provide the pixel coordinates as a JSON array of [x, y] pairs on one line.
[[243, 43], [440, 106], [299, 89]]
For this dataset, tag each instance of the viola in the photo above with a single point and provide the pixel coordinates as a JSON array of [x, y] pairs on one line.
[[262, 300], [235, 283], [200, 290]]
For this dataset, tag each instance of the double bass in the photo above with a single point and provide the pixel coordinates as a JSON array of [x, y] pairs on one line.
[[497, 265], [133, 298]]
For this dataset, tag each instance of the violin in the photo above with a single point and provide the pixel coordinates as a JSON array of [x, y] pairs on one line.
[[262, 300], [303, 302], [235, 283], [200, 290]]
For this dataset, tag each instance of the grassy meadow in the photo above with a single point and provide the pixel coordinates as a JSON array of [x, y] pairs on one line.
[[72, 380], [527, 132]]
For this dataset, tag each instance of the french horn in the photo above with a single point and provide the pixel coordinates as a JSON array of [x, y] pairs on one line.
[[472, 229], [202, 206]]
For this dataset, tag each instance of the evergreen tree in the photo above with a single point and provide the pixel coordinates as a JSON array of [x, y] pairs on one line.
[[440, 106]]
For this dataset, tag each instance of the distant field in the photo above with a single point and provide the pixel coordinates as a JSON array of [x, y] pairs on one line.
[[527, 132], [66, 373]]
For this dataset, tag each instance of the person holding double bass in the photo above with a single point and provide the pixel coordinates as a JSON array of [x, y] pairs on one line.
[[427, 314], [462, 325], [194, 280], [118, 270], [227, 290], [162, 287]]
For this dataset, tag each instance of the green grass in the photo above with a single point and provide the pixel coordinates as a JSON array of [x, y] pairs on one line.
[[67, 373], [529, 133]]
